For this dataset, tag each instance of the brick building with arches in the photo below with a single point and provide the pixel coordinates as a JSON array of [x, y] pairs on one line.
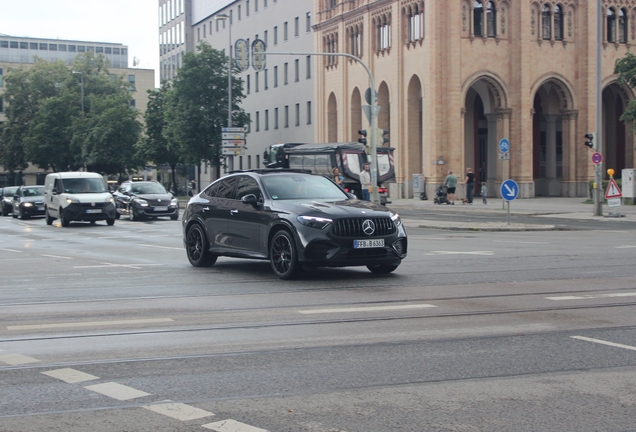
[[455, 76]]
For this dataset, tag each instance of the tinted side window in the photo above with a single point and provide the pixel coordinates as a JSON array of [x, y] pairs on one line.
[[246, 186], [212, 190], [224, 188]]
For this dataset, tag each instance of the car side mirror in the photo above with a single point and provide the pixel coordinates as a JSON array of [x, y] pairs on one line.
[[250, 199], [16, 197]]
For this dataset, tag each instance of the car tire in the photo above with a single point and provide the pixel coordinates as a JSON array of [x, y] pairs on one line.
[[174, 216], [117, 215], [382, 268], [63, 220], [283, 256], [49, 219], [110, 222], [133, 215], [197, 247], [15, 216]]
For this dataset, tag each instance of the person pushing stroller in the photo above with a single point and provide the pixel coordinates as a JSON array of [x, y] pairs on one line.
[[441, 197], [451, 184]]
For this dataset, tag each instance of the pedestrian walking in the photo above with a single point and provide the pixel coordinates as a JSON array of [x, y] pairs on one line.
[[484, 193], [469, 182], [365, 182], [451, 184]]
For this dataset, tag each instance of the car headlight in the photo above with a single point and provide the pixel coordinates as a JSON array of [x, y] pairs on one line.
[[174, 201], [110, 199], [314, 222], [27, 204], [141, 202], [396, 219], [71, 200]]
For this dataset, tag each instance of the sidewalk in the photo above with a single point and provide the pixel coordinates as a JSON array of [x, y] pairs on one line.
[[554, 207]]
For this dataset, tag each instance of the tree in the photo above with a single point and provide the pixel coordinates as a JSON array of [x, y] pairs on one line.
[[198, 104], [626, 70], [154, 145]]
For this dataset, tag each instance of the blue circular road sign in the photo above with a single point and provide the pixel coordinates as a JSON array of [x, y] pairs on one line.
[[509, 190], [504, 145]]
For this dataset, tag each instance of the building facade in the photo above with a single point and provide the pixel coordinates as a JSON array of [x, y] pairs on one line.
[[20, 52], [454, 77], [278, 99]]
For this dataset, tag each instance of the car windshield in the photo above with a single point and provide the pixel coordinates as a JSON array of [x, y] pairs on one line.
[[10, 191], [302, 187], [148, 188], [83, 185], [32, 191]]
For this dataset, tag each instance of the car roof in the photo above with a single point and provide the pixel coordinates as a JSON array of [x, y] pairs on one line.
[[273, 171], [75, 174]]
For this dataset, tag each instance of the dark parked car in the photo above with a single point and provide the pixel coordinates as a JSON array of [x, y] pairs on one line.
[[28, 201], [144, 199], [294, 219], [6, 206]]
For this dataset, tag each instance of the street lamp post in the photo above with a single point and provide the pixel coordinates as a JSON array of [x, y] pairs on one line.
[[81, 74], [226, 17]]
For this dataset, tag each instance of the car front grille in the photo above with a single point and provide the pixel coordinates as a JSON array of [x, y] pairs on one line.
[[384, 226], [93, 205]]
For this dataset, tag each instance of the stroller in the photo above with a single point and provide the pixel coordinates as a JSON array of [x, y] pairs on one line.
[[441, 197]]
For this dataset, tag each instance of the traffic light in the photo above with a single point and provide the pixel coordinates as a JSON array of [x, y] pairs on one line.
[[380, 138], [363, 138], [590, 140]]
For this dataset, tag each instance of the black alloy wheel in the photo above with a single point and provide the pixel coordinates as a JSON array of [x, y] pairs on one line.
[[382, 268], [197, 247], [283, 257]]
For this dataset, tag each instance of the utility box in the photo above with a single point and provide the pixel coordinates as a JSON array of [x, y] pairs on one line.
[[629, 188], [419, 186]]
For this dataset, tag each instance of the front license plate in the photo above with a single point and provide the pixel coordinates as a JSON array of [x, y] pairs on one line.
[[162, 208], [94, 211], [40, 208], [365, 244]]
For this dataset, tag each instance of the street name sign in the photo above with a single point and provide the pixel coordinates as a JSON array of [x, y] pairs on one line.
[[509, 190]]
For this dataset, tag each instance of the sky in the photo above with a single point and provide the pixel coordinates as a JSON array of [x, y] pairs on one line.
[[130, 22]]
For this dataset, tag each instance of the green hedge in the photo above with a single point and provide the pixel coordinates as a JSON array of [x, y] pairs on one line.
[[605, 184]]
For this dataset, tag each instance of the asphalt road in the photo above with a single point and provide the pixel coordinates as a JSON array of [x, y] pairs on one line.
[[110, 329]]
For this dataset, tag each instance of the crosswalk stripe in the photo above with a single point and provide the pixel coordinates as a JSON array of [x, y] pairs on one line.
[[232, 426], [70, 376], [179, 411], [117, 391]]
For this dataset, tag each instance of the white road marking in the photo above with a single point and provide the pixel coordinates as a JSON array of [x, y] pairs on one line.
[[17, 359], [602, 342], [89, 324], [11, 250], [70, 376], [179, 411], [461, 253], [516, 242], [160, 247], [56, 256], [232, 426], [592, 296], [625, 247], [133, 266], [117, 391], [366, 309]]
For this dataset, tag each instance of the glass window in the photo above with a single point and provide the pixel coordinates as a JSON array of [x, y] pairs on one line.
[[275, 35], [275, 118], [546, 22], [52, 47], [116, 51], [90, 48], [258, 121], [266, 119], [33, 45], [44, 47], [286, 74], [296, 70], [255, 5], [491, 20], [81, 48], [622, 26], [285, 31], [308, 67], [108, 50], [265, 79], [71, 48], [247, 8], [124, 51], [296, 27], [256, 82], [286, 116], [611, 25], [223, 188], [99, 49], [13, 44], [558, 22], [62, 47], [478, 18], [25, 45], [248, 186], [308, 112], [131, 79], [247, 83], [308, 22], [275, 76], [297, 114], [5, 44]]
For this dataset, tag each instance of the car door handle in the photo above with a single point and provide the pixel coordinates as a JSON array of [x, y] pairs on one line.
[[233, 212]]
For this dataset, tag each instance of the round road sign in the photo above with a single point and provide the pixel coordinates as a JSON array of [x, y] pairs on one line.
[[504, 145], [597, 158]]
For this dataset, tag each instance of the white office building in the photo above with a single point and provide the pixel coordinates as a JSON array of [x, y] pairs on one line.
[[279, 99]]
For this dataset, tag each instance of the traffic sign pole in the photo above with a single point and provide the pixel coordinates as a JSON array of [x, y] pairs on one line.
[[504, 149], [509, 192]]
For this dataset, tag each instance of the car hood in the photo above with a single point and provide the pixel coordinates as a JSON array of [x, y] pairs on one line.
[[39, 198], [153, 197], [346, 208]]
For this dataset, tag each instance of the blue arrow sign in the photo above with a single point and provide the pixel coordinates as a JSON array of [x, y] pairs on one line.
[[509, 190], [504, 145]]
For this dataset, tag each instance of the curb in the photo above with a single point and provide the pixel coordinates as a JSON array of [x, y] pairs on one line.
[[495, 229]]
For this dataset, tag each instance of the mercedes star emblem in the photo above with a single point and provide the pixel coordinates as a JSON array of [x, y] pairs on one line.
[[368, 227]]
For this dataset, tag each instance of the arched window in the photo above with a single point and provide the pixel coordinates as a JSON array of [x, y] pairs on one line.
[[558, 22], [491, 19], [415, 23], [478, 18], [611, 25], [622, 26], [546, 22]]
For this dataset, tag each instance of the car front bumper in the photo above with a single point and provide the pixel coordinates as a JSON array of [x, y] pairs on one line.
[[84, 212]]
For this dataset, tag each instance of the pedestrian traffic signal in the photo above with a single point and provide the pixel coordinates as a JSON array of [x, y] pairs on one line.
[[380, 138], [363, 138], [590, 140]]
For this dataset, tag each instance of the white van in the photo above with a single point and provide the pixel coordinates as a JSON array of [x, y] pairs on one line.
[[78, 196]]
